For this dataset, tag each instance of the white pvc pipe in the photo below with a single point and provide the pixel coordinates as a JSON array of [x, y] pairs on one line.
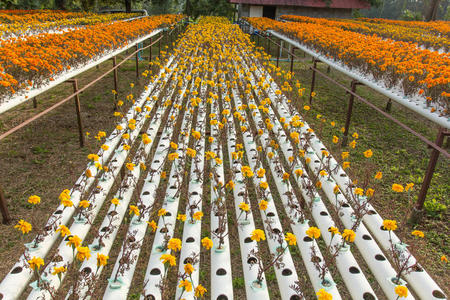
[[195, 195], [21, 97], [286, 276], [416, 106], [221, 276], [247, 245]]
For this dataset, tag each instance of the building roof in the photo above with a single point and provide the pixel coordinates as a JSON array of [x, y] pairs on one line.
[[308, 3]]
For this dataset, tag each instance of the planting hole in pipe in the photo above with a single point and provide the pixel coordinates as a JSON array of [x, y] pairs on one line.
[[58, 212], [190, 240], [307, 239], [382, 228], [354, 270], [295, 297], [221, 272], [271, 214], [368, 296], [343, 175], [345, 205], [188, 260], [248, 240], [222, 297], [168, 214], [163, 230], [252, 261], [150, 297], [155, 271], [146, 193], [286, 272], [317, 161], [104, 229], [366, 237], [16, 270], [371, 212], [438, 294], [276, 231], [323, 213], [380, 257]]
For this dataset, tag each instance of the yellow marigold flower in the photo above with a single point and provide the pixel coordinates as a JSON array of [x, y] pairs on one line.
[[306, 107], [261, 172], [88, 173], [93, 157], [23, 226], [263, 204], [418, 233], [207, 243], [313, 94], [74, 241], [319, 184], [397, 188], [125, 136], [84, 204], [134, 210], [247, 171], [370, 192], [142, 166], [258, 235], [355, 135], [174, 244], [264, 185], [105, 147], [198, 215], [34, 199], [191, 152], [323, 295], [168, 258], [359, 191], [59, 270], [130, 166], [379, 175], [200, 291], [153, 225], [218, 161], [270, 155], [35, 263], [63, 230], [409, 186], [173, 146], [368, 153], [353, 144], [291, 239], [401, 291], [83, 253], [244, 206], [196, 135], [348, 235], [115, 201], [210, 139], [102, 260], [444, 259], [336, 189], [186, 285], [173, 156], [298, 172], [230, 185], [333, 230], [162, 212], [335, 139], [313, 232], [126, 147], [345, 154], [323, 173], [163, 174], [188, 269], [285, 176], [181, 217], [346, 164]]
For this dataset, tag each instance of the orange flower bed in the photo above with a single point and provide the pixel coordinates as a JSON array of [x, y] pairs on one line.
[[28, 62], [417, 71], [32, 22], [421, 36]]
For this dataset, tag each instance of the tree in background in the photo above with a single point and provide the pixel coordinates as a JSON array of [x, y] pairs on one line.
[[409, 10]]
